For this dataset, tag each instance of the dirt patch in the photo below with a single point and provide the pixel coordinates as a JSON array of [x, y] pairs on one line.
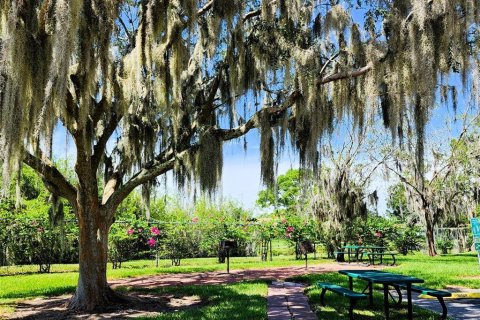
[[140, 305]]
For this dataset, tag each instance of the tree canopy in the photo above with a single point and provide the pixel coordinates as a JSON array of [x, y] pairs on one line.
[[146, 87]]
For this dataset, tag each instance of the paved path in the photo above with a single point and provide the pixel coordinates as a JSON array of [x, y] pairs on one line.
[[286, 301], [458, 309], [198, 278]]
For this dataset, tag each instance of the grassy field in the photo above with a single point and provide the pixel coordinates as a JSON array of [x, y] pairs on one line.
[[19, 283]]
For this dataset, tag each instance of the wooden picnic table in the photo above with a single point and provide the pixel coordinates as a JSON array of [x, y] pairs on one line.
[[386, 279]]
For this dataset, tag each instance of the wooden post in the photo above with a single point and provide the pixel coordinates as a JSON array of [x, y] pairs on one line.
[[271, 250], [228, 260]]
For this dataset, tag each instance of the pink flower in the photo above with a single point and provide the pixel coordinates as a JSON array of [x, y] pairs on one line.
[[151, 242], [155, 231], [288, 235], [290, 229], [378, 234], [40, 230], [130, 231], [284, 221], [195, 219], [140, 230]]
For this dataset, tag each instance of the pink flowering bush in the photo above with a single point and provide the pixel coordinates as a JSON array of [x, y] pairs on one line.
[[152, 242], [155, 231]]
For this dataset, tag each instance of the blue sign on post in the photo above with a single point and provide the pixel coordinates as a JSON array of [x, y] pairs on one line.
[[476, 235], [475, 227]]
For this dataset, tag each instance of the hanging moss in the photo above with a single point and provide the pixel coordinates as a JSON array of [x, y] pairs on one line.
[[209, 161], [157, 71], [267, 152]]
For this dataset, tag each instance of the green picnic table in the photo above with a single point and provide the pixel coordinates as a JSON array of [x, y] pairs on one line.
[[386, 279], [358, 251]]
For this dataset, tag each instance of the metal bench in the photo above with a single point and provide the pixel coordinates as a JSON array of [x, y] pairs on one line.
[[372, 255], [439, 294], [347, 293]]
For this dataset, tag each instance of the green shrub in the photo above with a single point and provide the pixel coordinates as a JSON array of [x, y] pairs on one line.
[[445, 244]]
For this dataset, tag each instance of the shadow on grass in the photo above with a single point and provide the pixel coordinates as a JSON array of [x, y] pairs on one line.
[[40, 292], [244, 300]]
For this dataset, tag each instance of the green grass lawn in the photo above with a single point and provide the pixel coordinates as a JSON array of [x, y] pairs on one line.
[[19, 283]]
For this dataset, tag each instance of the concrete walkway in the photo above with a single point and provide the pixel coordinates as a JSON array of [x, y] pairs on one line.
[[458, 309], [286, 301]]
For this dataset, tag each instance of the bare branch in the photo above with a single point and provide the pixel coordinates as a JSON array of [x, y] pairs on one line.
[[254, 121], [347, 74], [205, 8]]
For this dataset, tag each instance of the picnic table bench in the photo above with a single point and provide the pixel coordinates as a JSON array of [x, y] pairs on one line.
[[356, 252], [349, 294], [439, 294], [372, 255]]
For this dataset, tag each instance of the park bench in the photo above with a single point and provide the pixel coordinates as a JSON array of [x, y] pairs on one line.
[[351, 295], [439, 294], [372, 255]]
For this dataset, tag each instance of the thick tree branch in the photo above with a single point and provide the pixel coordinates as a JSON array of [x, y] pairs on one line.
[[162, 164], [99, 148], [54, 180], [347, 74], [205, 8], [254, 121]]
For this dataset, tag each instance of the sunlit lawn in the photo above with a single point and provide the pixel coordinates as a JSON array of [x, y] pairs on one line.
[[18, 283]]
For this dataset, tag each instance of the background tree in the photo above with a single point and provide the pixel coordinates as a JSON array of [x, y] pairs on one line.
[[288, 193], [445, 189], [145, 87], [397, 204]]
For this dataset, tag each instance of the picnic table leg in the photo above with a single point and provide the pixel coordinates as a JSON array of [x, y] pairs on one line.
[[370, 293], [444, 308], [409, 298], [385, 300], [348, 255]]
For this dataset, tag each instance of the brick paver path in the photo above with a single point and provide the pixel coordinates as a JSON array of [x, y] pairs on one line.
[[286, 301], [197, 278]]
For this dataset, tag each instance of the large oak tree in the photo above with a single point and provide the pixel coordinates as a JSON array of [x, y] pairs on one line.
[[144, 87]]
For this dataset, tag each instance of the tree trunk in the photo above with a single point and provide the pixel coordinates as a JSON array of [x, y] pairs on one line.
[[93, 291], [430, 235]]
